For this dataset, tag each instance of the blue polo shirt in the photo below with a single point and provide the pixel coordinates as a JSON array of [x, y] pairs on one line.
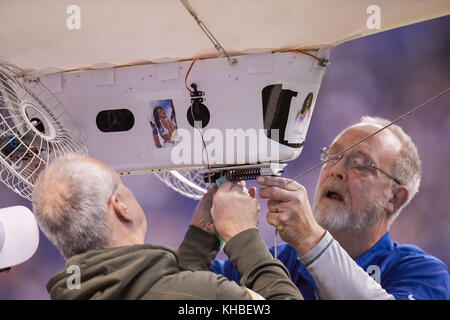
[[405, 271]]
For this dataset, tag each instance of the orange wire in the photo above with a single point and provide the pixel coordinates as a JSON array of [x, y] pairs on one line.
[[303, 52], [189, 71]]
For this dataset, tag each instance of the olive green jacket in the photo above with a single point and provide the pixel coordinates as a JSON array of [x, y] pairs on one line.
[[157, 272]]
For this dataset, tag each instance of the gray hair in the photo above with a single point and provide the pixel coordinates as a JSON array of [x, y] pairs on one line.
[[407, 166], [70, 202]]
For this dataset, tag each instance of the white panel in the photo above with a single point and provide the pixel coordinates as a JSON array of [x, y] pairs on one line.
[[232, 95], [53, 82], [259, 63], [167, 71], [103, 77]]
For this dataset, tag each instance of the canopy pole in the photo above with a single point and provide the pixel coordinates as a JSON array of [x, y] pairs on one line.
[[220, 50]]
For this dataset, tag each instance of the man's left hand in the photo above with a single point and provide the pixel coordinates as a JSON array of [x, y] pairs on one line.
[[202, 214]]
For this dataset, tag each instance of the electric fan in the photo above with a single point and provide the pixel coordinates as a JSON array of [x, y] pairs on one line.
[[189, 183], [35, 128]]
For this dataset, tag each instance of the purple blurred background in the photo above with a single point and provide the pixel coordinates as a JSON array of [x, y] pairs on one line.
[[383, 75]]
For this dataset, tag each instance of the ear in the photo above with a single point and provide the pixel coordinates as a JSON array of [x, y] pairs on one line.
[[119, 209], [399, 197]]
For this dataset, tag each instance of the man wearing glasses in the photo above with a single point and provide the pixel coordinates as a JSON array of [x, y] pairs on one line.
[[341, 247]]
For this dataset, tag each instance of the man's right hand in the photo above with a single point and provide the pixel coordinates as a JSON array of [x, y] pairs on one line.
[[290, 212], [234, 209]]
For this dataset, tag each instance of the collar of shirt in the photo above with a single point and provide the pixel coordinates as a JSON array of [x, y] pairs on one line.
[[376, 254]]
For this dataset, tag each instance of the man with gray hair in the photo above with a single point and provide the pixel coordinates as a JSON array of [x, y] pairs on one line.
[[83, 207], [341, 247]]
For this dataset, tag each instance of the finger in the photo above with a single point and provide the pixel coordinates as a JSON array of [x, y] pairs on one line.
[[208, 196], [272, 218], [242, 183], [274, 206], [252, 192], [238, 187], [225, 186], [212, 189], [276, 193], [280, 182]]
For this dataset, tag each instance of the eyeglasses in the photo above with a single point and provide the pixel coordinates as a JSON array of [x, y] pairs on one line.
[[354, 161]]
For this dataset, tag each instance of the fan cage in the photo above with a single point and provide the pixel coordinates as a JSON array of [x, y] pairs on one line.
[[188, 183], [35, 128]]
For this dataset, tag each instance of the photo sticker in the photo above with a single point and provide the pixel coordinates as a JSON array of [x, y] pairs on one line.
[[163, 122], [299, 120], [305, 111]]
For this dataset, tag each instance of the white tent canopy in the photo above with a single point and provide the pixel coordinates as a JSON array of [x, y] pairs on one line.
[[34, 34]]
